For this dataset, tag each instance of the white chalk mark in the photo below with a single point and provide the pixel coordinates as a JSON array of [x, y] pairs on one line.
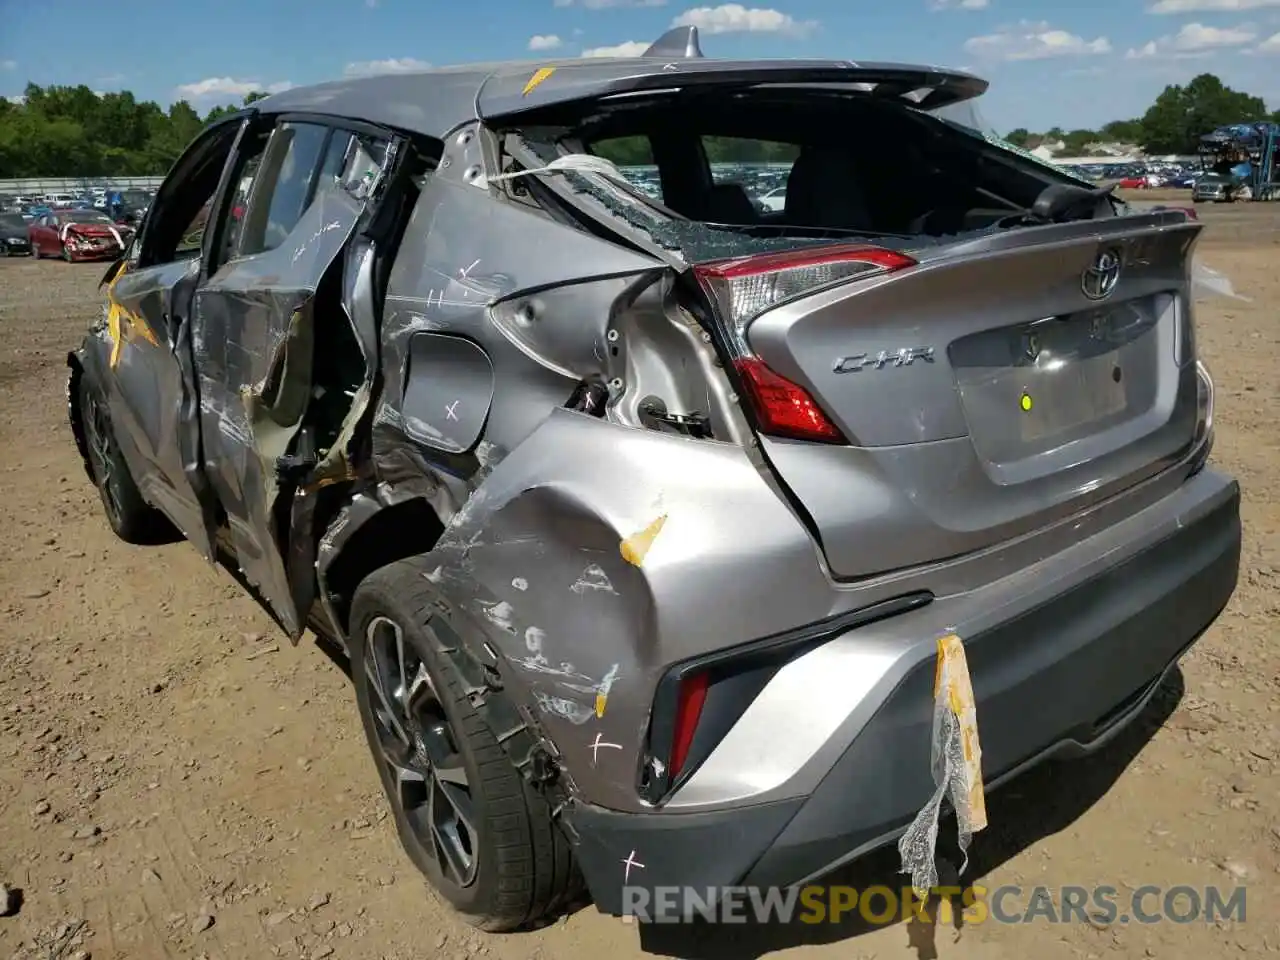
[[669, 67], [597, 744], [451, 410], [520, 583], [500, 613], [566, 709], [534, 636], [630, 862], [593, 578], [465, 273]]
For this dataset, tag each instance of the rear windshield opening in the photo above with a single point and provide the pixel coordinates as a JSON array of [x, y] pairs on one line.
[[726, 173]]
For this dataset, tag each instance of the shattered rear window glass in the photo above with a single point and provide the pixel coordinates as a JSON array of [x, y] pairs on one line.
[[698, 241]]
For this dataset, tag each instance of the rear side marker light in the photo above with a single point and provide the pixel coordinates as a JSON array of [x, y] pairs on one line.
[[746, 287], [693, 694]]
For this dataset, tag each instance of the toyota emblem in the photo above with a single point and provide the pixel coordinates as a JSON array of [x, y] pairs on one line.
[[1101, 277]]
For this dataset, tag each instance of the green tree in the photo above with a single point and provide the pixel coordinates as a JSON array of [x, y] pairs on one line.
[[1019, 137], [1123, 131], [1181, 115], [59, 131]]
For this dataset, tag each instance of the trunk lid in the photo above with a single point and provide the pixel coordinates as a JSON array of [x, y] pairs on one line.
[[993, 388]]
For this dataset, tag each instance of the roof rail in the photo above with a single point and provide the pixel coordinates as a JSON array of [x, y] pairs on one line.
[[678, 44]]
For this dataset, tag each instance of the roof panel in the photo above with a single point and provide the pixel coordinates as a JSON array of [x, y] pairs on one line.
[[433, 102]]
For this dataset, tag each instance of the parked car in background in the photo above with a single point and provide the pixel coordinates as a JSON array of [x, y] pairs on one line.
[[80, 234], [1216, 188], [14, 239], [775, 200], [642, 527]]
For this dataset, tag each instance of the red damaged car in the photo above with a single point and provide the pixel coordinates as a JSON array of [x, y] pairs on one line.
[[78, 235]]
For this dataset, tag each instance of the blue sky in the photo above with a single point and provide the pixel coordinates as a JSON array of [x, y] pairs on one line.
[[1071, 64]]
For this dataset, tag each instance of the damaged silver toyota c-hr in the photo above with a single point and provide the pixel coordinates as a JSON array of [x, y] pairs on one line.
[[643, 516]]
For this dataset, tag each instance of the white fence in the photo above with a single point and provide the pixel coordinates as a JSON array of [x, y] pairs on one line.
[[28, 186]]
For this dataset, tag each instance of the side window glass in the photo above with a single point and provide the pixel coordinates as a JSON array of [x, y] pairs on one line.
[[250, 162], [192, 239], [352, 162], [634, 157], [282, 187]]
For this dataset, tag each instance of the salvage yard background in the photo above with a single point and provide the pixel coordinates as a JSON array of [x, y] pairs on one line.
[[177, 781]]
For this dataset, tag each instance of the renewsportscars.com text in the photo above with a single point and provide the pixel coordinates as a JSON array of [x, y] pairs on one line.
[[881, 905]]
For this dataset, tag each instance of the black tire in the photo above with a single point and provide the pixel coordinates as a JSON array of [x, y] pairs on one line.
[[131, 518], [522, 869]]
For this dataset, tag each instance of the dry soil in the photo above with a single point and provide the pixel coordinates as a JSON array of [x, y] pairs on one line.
[[178, 781]]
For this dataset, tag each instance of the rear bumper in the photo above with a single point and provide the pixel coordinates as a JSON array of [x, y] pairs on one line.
[[1060, 663]]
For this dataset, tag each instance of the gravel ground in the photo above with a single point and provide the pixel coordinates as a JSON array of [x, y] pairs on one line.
[[177, 781]]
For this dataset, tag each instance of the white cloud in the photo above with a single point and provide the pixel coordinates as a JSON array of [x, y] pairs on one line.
[[18, 99], [226, 87], [629, 48], [1194, 38], [735, 18], [1270, 45], [1034, 41], [8, 64], [369, 68], [544, 42], [605, 4], [959, 4], [1209, 6]]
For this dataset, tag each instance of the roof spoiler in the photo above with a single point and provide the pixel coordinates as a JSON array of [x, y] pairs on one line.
[[678, 44]]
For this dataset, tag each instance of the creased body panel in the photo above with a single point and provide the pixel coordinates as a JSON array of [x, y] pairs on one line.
[[536, 560], [463, 255], [252, 335]]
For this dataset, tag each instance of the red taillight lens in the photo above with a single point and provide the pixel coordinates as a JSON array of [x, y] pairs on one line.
[[693, 694], [743, 288], [782, 408], [746, 287]]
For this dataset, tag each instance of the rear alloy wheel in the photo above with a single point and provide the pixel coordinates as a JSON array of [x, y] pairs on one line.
[[483, 837], [131, 518]]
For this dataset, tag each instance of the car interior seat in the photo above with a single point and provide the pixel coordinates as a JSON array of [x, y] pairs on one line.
[[823, 191]]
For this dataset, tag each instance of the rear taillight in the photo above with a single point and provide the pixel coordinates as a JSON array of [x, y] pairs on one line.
[[781, 408], [744, 288]]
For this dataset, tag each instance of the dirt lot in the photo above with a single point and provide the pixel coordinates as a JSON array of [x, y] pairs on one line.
[[174, 782]]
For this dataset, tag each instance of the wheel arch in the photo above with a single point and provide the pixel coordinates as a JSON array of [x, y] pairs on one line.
[[367, 536]]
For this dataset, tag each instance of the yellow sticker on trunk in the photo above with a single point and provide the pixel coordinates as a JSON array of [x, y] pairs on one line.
[[537, 80]]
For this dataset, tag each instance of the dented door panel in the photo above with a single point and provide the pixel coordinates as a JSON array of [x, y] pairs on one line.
[[252, 336], [151, 395]]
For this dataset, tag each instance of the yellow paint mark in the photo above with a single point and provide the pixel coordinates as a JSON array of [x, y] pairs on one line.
[[1025, 403], [537, 80], [951, 679], [601, 700], [637, 545], [113, 331]]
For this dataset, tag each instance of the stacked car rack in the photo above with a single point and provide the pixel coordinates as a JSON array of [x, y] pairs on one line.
[[1252, 143]]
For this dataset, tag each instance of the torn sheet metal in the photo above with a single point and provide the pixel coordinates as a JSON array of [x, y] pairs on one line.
[[956, 762], [253, 331]]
